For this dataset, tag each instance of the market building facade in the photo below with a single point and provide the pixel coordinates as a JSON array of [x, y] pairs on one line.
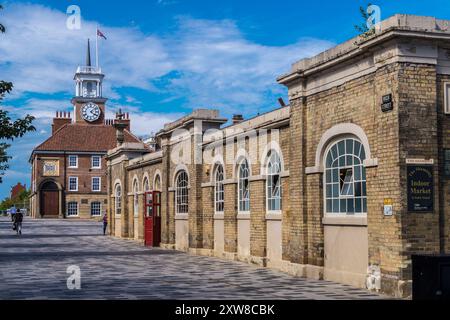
[[344, 184]]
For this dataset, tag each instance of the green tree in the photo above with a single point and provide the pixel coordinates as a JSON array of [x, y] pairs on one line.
[[9, 129]]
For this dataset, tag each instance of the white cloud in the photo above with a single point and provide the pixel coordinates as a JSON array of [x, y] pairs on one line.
[[213, 63]]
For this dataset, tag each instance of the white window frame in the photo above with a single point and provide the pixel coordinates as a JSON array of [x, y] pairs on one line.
[[270, 186], [99, 161], [136, 198], [100, 209], [70, 189], [99, 184], [243, 204], [69, 209], [447, 97], [76, 160], [330, 186], [219, 191], [182, 193], [118, 200]]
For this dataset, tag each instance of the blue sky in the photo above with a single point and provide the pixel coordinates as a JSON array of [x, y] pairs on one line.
[[164, 58]]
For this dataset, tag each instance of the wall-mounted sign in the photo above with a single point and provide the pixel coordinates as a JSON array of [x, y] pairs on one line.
[[420, 188], [387, 104], [447, 163], [388, 207], [51, 168]]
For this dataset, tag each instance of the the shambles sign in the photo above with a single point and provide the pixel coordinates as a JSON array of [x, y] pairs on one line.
[[420, 188]]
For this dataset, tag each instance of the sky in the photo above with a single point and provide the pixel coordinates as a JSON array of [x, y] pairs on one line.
[[164, 58]]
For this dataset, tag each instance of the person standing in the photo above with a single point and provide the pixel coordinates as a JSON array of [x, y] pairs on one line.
[[18, 219], [105, 223]]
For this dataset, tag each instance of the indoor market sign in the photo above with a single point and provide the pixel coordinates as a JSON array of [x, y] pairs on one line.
[[420, 188]]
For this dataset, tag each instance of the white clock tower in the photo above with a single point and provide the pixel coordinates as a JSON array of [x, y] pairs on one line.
[[88, 102]]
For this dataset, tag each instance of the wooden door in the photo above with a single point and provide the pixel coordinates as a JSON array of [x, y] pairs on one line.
[[50, 203], [152, 219]]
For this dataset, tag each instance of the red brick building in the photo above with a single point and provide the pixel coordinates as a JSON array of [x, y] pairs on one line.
[[17, 190], [68, 169]]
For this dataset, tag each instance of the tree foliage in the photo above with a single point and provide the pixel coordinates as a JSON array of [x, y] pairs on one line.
[[9, 129], [21, 202]]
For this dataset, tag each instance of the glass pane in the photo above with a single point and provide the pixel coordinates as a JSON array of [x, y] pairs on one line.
[[364, 189], [341, 148], [350, 206], [336, 190], [328, 176], [329, 191], [358, 205], [349, 146], [336, 175], [329, 205], [329, 160], [342, 161], [364, 205], [357, 148], [362, 154], [336, 206], [349, 161], [358, 189], [358, 173], [334, 152], [344, 206]]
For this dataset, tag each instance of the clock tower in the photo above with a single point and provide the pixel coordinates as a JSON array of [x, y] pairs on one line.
[[88, 102]]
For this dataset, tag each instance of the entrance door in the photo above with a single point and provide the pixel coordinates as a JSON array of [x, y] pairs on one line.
[[49, 200], [153, 219]]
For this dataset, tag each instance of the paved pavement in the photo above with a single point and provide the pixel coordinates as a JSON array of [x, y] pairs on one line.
[[34, 266]]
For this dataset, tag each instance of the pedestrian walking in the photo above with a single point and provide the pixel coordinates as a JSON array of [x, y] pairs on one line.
[[18, 219], [105, 223]]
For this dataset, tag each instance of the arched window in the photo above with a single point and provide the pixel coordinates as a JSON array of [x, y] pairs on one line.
[[135, 198], [157, 186], [345, 178], [182, 193], [244, 187], [118, 199], [219, 194], [274, 182], [146, 185]]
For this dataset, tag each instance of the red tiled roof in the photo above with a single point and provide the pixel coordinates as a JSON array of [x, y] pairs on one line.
[[84, 138]]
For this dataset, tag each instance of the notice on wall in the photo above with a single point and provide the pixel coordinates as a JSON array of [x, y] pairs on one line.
[[51, 168], [420, 188], [388, 207]]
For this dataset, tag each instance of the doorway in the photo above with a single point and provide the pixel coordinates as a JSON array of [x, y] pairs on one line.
[[49, 200], [152, 219]]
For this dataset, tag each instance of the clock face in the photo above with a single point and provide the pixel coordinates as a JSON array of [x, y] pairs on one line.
[[91, 112]]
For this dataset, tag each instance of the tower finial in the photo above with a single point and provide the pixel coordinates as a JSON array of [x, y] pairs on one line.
[[88, 57]]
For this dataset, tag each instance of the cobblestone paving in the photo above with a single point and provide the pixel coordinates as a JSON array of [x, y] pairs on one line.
[[34, 266]]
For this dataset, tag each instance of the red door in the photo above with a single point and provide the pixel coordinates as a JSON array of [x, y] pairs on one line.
[[153, 219]]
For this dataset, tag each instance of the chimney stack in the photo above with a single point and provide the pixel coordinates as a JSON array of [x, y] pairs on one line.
[[238, 118], [61, 119]]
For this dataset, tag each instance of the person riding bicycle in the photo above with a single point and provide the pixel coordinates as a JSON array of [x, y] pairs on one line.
[[18, 219]]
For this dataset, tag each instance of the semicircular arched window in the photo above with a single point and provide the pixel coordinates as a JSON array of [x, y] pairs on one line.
[[136, 198], [274, 182], [244, 187], [219, 194], [182, 193], [345, 178], [118, 199]]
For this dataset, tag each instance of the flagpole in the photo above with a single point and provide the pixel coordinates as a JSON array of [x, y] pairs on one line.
[[96, 45]]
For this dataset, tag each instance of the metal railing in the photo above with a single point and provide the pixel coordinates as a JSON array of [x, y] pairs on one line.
[[92, 70]]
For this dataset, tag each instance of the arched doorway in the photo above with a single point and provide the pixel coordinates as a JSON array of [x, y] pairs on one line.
[[49, 200]]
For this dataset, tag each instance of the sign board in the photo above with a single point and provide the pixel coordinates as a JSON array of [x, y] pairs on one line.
[[51, 168], [387, 103], [388, 207], [420, 188], [447, 164]]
